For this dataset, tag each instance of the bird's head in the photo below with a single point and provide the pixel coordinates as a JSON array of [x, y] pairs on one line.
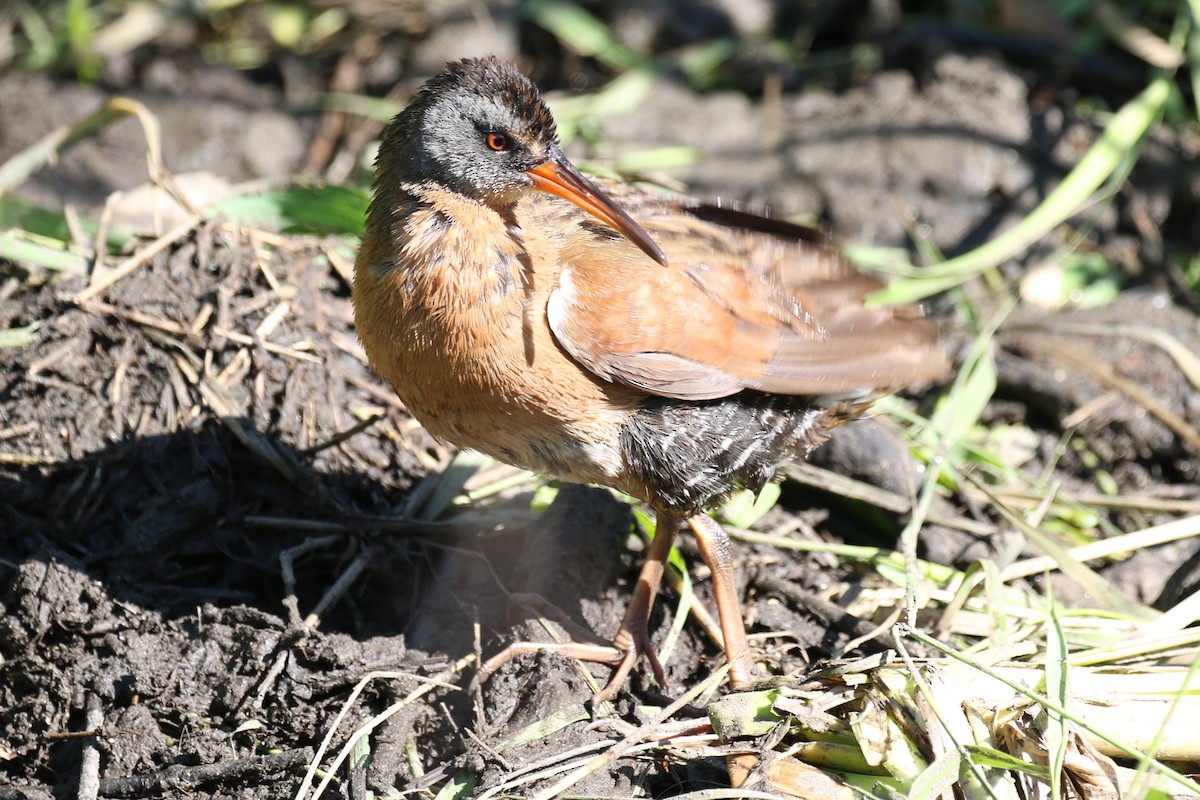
[[482, 129]]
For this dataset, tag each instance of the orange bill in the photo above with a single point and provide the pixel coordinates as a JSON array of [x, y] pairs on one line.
[[560, 178]]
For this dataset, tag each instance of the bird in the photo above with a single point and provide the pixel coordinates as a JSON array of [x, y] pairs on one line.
[[598, 332]]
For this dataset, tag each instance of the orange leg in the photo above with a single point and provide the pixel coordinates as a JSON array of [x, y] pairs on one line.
[[632, 639], [715, 549]]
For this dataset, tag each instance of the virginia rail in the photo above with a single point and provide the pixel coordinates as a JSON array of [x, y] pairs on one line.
[[518, 309]]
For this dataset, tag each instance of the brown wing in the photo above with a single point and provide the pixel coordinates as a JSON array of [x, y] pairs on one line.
[[739, 306]]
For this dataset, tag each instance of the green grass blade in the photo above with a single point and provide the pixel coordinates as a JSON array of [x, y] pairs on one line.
[[461, 785], [20, 337], [582, 32], [746, 508], [938, 778], [1058, 730], [1114, 147], [50, 254], [294, 209], [1100, 588], [18, 213], [451, 482], [997, 759], [17, 169], [1193, 52], [1050, 705], [81, 33], [377, 108], [545, 727]]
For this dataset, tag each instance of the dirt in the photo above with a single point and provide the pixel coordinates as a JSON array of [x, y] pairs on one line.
[[170, 449]]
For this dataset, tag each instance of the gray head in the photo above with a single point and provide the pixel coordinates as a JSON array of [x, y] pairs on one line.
[[476, 128], [481, 129]]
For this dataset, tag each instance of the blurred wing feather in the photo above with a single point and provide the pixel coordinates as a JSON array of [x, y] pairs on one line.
[[736, 308]]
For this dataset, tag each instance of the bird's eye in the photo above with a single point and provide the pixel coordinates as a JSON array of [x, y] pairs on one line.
[[497, 141]]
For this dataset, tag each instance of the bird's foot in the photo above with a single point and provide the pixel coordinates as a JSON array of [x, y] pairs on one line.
[[622, 652], [631, 642]]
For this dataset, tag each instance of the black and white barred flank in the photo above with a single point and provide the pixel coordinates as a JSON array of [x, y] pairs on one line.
[[690, 454]]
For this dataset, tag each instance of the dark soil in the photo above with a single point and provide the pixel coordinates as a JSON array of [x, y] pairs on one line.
[[173, 449]]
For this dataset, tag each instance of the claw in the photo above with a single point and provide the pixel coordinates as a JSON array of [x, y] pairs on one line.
[[632, 639]]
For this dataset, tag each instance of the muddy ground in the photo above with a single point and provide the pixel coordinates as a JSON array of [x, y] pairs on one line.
[[193, 458]]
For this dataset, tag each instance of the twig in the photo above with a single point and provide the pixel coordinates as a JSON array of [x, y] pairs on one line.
[[338, 438], [18, 430], [230, 414], [270, 347], [179, 780], [639, 736], [827, 613], [89, 761], [1133, 502], [341, 266], [268, 680], [139, 258], [390, 525], [100, 243], [166, 325], [1107, 376], [287, 559], [340, 587], [1128, 543], [24, 460], [825, 480], [427, 685], [674, 734]]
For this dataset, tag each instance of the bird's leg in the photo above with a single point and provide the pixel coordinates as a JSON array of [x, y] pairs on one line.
[[715, 549], [632, 639], [577, 632]]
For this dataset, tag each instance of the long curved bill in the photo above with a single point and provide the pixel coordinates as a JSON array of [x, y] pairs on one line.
[[560, 178]]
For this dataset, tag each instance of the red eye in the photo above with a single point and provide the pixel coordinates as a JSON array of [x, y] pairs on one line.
[[497, 141]]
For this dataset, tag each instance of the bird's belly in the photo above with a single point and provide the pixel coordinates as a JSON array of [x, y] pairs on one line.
[[541, 441], [522, 404]]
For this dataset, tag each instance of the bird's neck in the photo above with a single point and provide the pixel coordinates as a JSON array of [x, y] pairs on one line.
[[436, 248]]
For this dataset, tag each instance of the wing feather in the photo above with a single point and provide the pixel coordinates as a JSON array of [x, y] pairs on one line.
[[737, 307]]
